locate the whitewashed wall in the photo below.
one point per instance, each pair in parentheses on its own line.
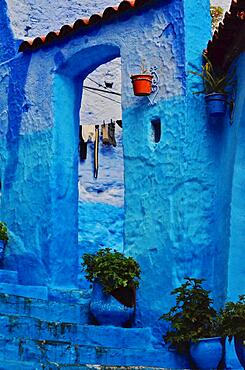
(34,18)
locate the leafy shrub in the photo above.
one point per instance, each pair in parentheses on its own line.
(112,269)
(232,318)
(3,232)
(192,317)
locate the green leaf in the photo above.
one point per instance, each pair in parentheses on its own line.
(112,268)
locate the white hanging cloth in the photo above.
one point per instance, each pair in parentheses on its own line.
(88,133)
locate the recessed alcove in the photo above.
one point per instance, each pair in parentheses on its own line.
(156,129)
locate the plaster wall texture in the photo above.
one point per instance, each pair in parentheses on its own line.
(102,109)
(236,252)
(30,18)
(175,190)
(172,189)
(164,182)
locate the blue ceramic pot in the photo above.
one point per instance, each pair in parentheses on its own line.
(240,350)
(107,310)
(207,353)
(2,247)
(216,104)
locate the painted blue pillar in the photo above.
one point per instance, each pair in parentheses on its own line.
(202,142)
(237,237)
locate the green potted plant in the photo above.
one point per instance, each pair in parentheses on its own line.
(3,238)
(232,323)
(142,83)
(216,85)
(194,324)
(115,278)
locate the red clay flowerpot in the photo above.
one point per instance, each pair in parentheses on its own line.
(142,84)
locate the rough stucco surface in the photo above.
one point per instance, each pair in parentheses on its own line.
(31,18)
(154,179)
(236,253)
(34,131)
(175,190)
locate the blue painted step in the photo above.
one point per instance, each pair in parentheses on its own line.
(40,292)
(7,276)
(45,310)
(65,352)
(109,336)
(97,367)
(19,365)
(68,295)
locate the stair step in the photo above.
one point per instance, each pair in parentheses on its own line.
(45,310)
(19,365)
(7,276)
(106,336)
(39,292)
(65,352)
(68,295)
(97,367)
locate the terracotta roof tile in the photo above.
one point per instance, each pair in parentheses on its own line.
(229,41)
(83,24)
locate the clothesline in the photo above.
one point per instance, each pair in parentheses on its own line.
(118,122)
(103,96)
(105,91)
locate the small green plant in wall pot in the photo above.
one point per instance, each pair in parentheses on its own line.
(232,323)
(142,83)
(193,325)
(115,278)
(3,238)
(216,88)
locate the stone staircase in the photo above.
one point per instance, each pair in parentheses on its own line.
(41,329)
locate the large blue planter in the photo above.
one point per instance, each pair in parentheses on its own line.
(107,310)
(240,350)
(216,104)
(2,247)
(207,353)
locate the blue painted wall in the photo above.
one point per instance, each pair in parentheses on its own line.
(180,193)
(236,251)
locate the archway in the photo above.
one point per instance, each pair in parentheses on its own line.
(101,190)
(68,87)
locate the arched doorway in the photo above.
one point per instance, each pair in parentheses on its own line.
(101,189)
(64,254)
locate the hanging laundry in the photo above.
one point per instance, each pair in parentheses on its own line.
(111,133)
(105,134)
(88,133)
(96,152)
(82,145)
